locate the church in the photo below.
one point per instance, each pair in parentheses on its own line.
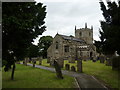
(72,48)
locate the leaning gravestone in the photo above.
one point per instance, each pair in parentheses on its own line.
(60,62)
(67,66)
(58,70)
(34,62)
(79,65)
(73,69)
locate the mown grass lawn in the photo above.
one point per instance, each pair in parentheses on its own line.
(100,71)
(29,77)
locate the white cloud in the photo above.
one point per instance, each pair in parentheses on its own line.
(63,15)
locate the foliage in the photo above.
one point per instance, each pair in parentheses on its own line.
(110,27)
(20,25)
(44,43)
(35,78)
(33,51)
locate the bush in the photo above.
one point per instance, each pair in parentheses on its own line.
(116,63)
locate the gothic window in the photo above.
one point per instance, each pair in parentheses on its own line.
(56,45)
(66,48)
(80,33)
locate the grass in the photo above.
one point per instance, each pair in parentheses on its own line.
(0,78)
(29,77)
(100,71)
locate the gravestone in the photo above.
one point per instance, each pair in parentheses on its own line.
(24,62)
(79,65)
(108,62)
(67,66)
(48,60)
(52,61)
(73,69)
(102,58)
(40,60)
(58,70)
(60,61)
(94,60)
(34,62)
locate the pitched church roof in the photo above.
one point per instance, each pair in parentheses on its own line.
(72,38)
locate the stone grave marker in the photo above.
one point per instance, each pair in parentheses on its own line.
(60,62)
(67,66)
(73,69)
(58,70)
(40,60)
(79,65)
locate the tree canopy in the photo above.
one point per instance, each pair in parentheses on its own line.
(21,23)
(110,28)
(33,51)
(44,43)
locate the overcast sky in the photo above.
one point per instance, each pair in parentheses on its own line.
(63,15)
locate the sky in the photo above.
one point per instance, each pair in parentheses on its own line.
(63,15)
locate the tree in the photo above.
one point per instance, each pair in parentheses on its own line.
(110,28)
(21,23)
(44,43)
(33,51)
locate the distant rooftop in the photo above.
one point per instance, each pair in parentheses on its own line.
(72,38)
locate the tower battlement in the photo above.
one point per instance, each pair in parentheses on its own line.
(85,34)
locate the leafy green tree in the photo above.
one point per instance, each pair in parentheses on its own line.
(110,28)
(33,51)
(21,23)
(44,43)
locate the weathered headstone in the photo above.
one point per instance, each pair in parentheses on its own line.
(67,66)
(79,65)
(34,62)
(60,62)
(102,58)
(48,60)
(73,69)
(40,60)
(94,60)
(23,62)
(58,70)
(108,62)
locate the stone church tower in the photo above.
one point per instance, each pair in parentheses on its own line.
(85,34)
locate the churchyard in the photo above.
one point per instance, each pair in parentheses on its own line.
(100,70)
(29,77)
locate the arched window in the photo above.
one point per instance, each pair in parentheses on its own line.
(66,48)
(56,45)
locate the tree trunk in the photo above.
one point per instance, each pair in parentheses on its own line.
(13,69)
